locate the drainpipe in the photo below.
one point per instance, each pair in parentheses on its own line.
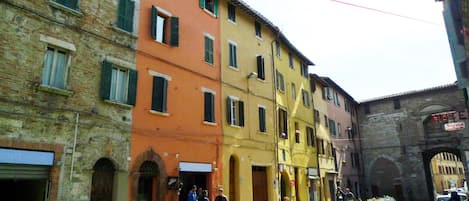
(274,88)
(74,146)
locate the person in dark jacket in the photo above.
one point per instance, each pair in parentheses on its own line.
(221,196)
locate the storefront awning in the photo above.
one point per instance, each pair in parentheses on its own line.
(195,167)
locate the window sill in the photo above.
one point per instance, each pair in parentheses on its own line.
(261,80)
(235,126)
(210,13)
(54,90)
(208,123)
(165,114)
(283,92)
(131,34)
(72,11)
(232,22)
(262,132)
(119,104)
(162,43)
(208,63)
(259,38)
(234,68)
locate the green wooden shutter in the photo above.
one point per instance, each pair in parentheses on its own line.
(154,16)
(207,106)
(106,75)
(215,7)
(73,4)
(132,89)
(241,113)
(228,110)
(130,16)
(262,119)
(235,60)
(174,31)
(260,68)
(207,50)
(159,94)
(202,4)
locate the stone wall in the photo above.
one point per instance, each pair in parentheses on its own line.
(398,136)
(32,116)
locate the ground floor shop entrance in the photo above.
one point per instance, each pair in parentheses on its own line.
(191,174)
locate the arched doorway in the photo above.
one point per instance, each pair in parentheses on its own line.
(102,182)
(386,179)
(427,158)
(148,184)
(148,171)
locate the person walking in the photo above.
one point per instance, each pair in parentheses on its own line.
(205,195)
(192,196)
(221,196)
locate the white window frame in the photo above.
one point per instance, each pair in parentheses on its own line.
(116,84)
(213,48)
(165,29)
(234,108)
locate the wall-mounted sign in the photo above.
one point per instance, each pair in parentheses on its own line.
(454,126)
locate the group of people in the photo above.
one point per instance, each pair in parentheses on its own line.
(346,195)
(202,195)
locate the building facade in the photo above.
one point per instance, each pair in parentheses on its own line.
(176,130)
(248,109)
(343,127)
(328,166)
(66,117)
(401,134)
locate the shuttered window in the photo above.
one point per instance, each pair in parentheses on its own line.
(118,84)
(210,6)
(262,126)
(260,67)
(208,49)
(164,28)
(231,12)
(73,4)
(125,15)
(235,112)
(209,107)
(159,95)
(257,28)
(233,62)
(282,123)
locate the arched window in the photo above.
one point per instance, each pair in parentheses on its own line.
(148,183)
(102,180)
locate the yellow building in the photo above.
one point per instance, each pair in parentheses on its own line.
(327,163)
(249,141)
(295,122)
(448,171)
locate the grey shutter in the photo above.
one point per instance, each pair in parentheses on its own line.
(106,75)
(228,110)
(154,16)
(174,31)
(132,88)
(241,113)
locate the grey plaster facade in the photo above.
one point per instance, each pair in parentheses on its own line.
(397,144)
(41,118)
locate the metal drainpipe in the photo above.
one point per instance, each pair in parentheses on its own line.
(317,152)
(74,146)
(274,81)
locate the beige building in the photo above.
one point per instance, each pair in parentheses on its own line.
(448,171)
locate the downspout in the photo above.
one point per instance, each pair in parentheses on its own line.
(274,88)
(74,146)
(317,152)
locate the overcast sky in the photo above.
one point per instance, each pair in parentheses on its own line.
(368,53)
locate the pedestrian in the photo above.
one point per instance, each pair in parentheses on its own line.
(454,196)
(340,194)
(221,196)
(205,195)
(286,198)
(192,196)
(200,194)
(349,195)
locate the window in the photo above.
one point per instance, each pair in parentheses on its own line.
(257,27)
(262,126)
(102,181)
(277,48)
(326,121)
(320,146)
(352,158)
(148,176)
(326,93)
(347,106)
(209,107)
(397,104)
(304,70)
(159,95)
(235,111)
(463,69)
(209,49)
(293,91)
(305,95)
(336,98)
(210,6)
(125,15)
(366,108)
(297,133)
(231,12)
(339,129)
(332,127)
(55,69)
(280,82)
(282,123)
(350,132)
(260,67)
(164,27)
(317,118)
(290,60)
(118,84)
(232,51)
(310,136)
(73,4)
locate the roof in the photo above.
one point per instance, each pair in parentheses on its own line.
(259,17)
(334,85)
(407,93)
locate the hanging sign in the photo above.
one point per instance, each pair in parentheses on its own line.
(454,126)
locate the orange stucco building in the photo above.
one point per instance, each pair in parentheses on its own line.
(176,132)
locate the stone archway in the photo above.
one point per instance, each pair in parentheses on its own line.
(427,158)
(386,178)
(135,173)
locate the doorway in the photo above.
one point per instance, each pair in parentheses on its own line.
(259,183)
